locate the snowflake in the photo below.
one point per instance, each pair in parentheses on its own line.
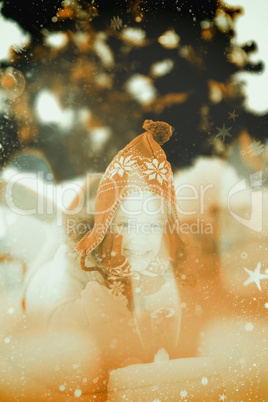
(223,132)
(183,393)
(255,148)
(122,166)
(222,397)
(156,170)
(249,326)
(116,23)
(233,115)
(244,255)
(255,276)
(157,400)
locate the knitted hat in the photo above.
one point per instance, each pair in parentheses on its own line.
(140,166)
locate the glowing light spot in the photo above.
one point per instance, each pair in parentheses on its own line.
(77,393)
(103,50)
(169,39)
(50,111)
(99,136)
(12,34)
(162,67)
(61,388)
(141,88)
(204,381)
(56,39)
(134,34)
(249,326)
(12,82)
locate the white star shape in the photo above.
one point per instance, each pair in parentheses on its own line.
(222,397)
(223,132)
(255,276)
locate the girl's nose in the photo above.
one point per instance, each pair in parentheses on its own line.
(135,235)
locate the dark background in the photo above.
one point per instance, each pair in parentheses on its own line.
(197,96)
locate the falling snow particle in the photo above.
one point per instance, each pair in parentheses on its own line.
(204,381)
(155,388)
(77,393)
(266,305)
(7,340)
(183,394)
(61,388)
(249,326)
(244,255)
(11,310)
(222,397)
(75,366)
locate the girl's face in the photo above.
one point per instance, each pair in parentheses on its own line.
(140,219)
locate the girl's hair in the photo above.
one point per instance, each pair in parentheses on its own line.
(80,219)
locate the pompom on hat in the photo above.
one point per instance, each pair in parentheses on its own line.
(140,166)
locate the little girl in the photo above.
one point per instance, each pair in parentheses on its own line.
(125,294)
